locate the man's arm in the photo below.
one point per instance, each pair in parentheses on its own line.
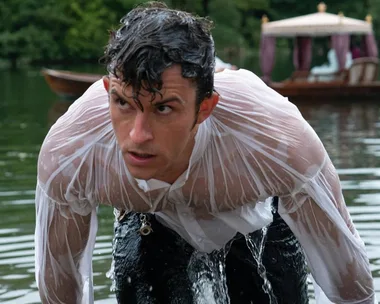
(61,240)
(275,152)
(316,212)
(336,256)
(66,221)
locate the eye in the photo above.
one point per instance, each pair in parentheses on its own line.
(122,104)
(164,109)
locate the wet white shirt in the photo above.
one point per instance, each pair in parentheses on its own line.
(256,145)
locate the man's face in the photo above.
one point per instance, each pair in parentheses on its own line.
(157,141)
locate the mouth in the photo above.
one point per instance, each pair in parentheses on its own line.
(141,155)
(140,158)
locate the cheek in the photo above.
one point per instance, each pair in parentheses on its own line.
(113,114)
(114,119)
(119,125)
(175,140)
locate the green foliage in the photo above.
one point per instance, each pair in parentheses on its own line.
(30,28)
(194,7)
(246,5)
(87,34)
(227,24)
(76,30)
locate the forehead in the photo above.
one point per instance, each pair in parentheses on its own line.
(172,79)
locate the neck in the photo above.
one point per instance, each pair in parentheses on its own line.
(180,166)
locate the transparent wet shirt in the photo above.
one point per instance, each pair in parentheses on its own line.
(256,145)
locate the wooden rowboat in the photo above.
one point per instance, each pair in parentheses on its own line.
(69,85)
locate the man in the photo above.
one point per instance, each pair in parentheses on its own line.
(327,71)
(191,167)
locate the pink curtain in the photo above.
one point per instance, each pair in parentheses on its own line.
(302,53)
(341,45)
(369,46)
(267,52)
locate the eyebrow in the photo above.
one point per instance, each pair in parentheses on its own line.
(114,92)
(169,99)
(158,103)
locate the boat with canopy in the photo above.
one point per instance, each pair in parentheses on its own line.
(357,81)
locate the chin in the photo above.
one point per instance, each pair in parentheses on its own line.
(141,173)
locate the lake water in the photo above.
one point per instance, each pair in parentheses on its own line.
(350,132)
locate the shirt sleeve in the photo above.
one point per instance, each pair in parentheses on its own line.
(66,221)
(336,256)
(64,243)
(279,154)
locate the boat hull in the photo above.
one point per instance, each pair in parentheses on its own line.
(69,85)
(332,92)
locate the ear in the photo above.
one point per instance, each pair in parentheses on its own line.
(207,106)
(106,83)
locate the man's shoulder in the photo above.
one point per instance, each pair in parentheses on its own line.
(69,148)
(246,97)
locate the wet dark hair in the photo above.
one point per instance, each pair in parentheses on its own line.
(151,39)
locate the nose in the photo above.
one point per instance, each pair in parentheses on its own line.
(141,131)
